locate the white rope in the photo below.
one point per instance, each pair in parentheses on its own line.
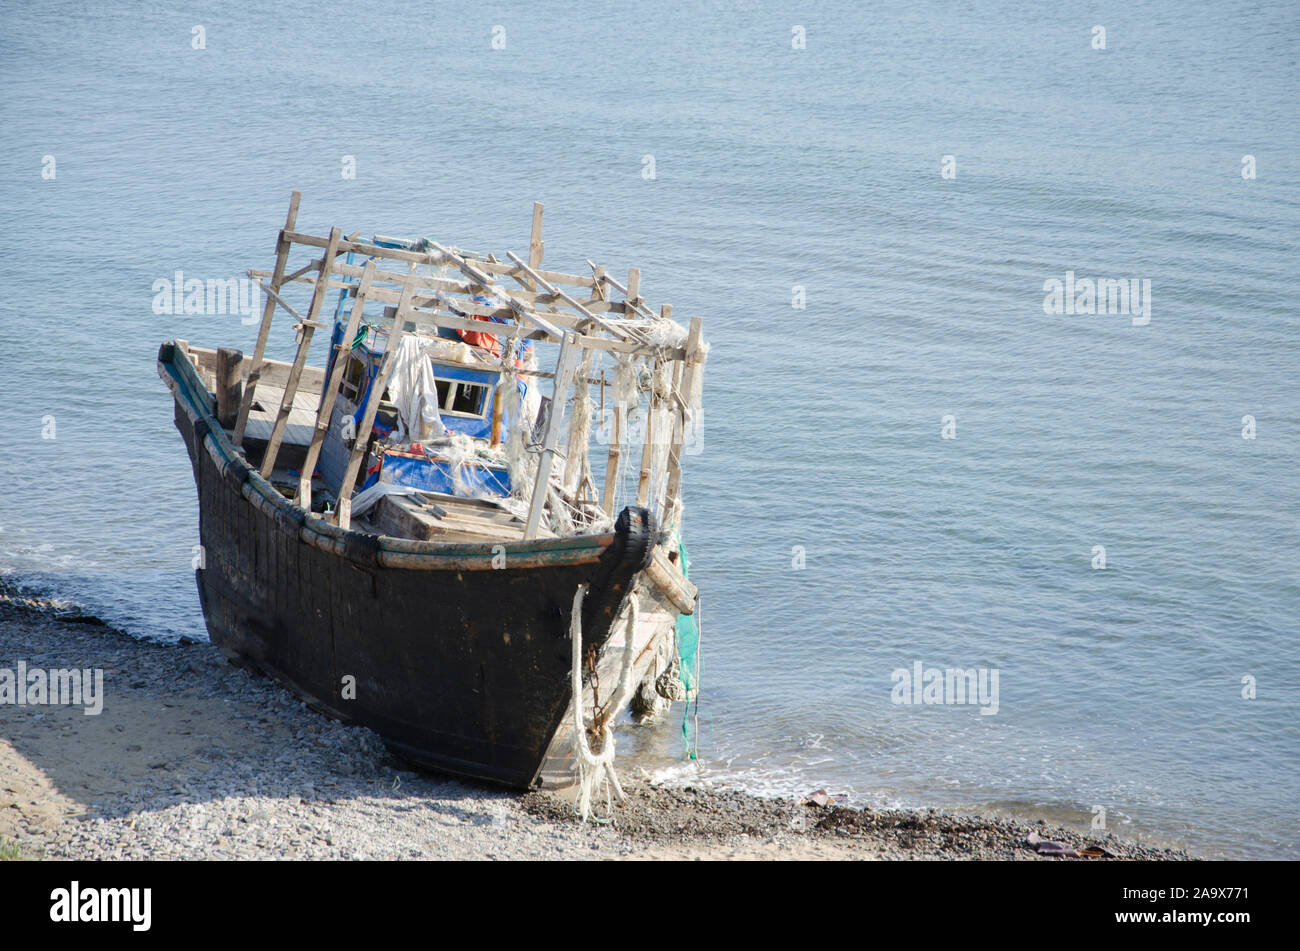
(597,769)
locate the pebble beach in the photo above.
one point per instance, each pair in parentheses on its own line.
(193,758)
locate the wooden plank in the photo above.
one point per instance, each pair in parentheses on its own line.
(331,391)
(358,454)
(569,350)
(300,359)
(282,246)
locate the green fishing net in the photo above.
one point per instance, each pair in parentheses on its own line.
(688,647)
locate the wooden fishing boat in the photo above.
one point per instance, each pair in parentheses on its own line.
(410,535)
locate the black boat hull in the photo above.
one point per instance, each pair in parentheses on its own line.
(460,666)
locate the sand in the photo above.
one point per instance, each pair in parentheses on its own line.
(193,758)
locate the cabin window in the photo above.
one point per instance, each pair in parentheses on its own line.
(350,387)
(461,398)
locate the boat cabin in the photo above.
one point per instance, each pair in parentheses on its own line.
(428,418)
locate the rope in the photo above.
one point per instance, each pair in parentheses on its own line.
(597,769)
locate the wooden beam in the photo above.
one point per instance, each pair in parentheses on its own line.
(554,324)
(373,398)
(595,318)
(691,372)
(653,411)
(330,394)
(229,386)
(518,307)
(633,302)
(311,266)
(535,244)
(632,293)
(576,453)
(466,288)
(422,257)
(309,326)
(615,458)
(277,298)
(569,350)
(282,245)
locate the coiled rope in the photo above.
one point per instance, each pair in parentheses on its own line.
(597,769)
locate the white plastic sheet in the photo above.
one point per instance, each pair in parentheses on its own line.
(414,390)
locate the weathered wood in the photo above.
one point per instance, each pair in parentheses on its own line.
(591,315)
(422,257)
(552,322)
(276,298)
(653,411)
(373,398)
(330,394)
(450,285)
(498,401)
(691,372)
(520,309)
(615,459)
(230,386)
(311,266)
(309,325)
(632,294)
(576,453)
(569,350)
(535,244)
(282,245)
(633,303)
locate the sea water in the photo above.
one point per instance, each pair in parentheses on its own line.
(915,453)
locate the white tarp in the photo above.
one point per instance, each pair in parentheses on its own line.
(414,391)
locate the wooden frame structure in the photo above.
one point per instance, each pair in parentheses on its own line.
(577,312)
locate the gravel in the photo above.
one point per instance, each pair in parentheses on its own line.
(193,758)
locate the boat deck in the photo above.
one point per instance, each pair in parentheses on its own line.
(427,517)
(302,417)
(449,518)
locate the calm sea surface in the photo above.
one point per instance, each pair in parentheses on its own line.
(836,534)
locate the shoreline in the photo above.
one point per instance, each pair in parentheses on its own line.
(194,758)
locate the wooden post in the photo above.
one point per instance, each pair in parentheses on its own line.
(330,395)
(300,359)
(620,411)
(647,447)
(230,386)
(691,370)
(496,410)
(569,350)
(282,246)
(535,244)
(576,454)
(373,399)
(652,425)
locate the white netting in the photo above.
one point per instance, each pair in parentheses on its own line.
(596,767)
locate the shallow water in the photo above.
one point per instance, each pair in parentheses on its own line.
(774,167)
